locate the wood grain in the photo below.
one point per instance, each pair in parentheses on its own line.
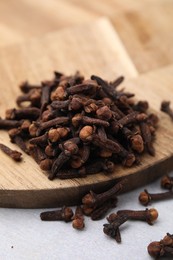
(25,185)
(23,19)
(147,35)
(143,26)
(110,7)
(94,45)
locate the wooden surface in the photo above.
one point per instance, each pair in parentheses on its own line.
(144,27)
(110,7)
(23,19)
(25,185)
(147,35)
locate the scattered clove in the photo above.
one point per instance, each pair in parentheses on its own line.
(92,199)
(78,219)
(64,214)
(165,107)
(99,212)
(15,155)
(162,248)
(112,229)
(145,197)
(148,215)
(116,220)
(167,182)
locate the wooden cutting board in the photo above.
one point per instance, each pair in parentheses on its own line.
(92,49)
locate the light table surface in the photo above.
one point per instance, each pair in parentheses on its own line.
(25,236)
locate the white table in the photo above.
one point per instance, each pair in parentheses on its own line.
(25,236)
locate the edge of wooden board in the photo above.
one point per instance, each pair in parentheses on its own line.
(48,198)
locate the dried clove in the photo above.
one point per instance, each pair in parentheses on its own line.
(97,167)
(69,149)
(147,137)
(64,214)
(99,212)
(148,215)
(167,182)
(63,104)
(145,197)
(112,229)
(115,220)
(45,94)
(15,136)
(78,219)
(104,113)
(162,248)
(51,123)
(25,126)
(94,121)
(15,155)
(92,199)
(24,113)
(26,87)
(141,106)
(70,174)
(39,140)
(46,164)
(165,107)
(9,124)
(128,119)
(108,144)
(86,133)
(33,97)
(88,86)
(107,88)
(117,82)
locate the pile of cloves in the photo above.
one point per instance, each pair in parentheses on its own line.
(73,127)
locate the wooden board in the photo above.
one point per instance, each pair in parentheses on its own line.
(110,7)
(23,19)
(144,27)
(25,185)
(147,34)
